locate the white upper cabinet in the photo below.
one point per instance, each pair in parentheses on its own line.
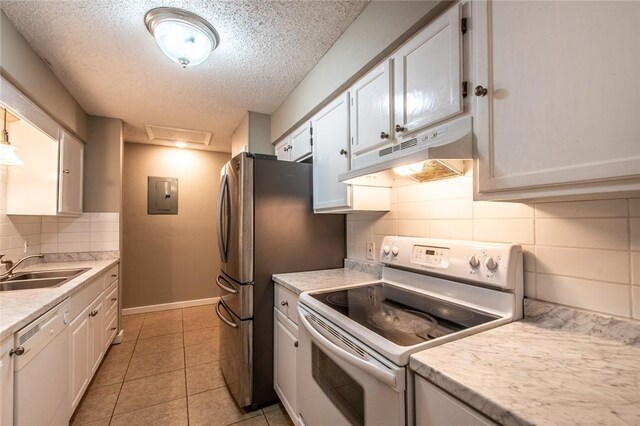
(560,114)
(297,145)
(371,113)
(71,171)
(428,75)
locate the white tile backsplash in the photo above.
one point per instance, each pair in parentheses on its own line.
(50,234)
(579,253)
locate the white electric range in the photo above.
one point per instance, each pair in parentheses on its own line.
(355,342)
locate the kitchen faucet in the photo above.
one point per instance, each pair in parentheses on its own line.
(10,266)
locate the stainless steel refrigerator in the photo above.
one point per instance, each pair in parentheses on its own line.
(266,225)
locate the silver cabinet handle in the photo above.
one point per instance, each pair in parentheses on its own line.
(343,152)
(480,91)
(226,321)
(65,171)
(384,135)
(284,303)
(17,351)
(224,287)
(399,128)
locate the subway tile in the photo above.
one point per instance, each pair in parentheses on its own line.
(26,219)
(635,233)
(362,232)
(501,210)
(104,245)
(73,247)
(49,219)
(104,236)
(529,255)
(417,210)
(452,229)
(582,209)
(593,295)
(105,217)
(635,302)
(599,265)
(414,228)
(105,227)
(50,227)
(635,268)
(74,237)
(458,208)
(634,207)
(412,193)
(587,233)
(385,227)
(530,284)
(49,248)
(504,230)
(74,227)
(461,187)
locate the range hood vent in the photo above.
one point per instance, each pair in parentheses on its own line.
(452,140)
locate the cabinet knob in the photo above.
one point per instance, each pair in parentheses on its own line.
(17,351)
(113,329)
(480,91)
(93,313)
(65,171)
(114,275)
(343,152)
(295,343)
(384,135)
(284,303)
(113,299)
(399,128)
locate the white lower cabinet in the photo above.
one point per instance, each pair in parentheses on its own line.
(285,347)
(6,381)
(435,407)
(79,356)
(96,328)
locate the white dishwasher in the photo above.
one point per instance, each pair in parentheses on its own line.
(41,380)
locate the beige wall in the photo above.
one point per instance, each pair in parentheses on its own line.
(582,253)
(253,134)
(28,72)
(381,27)
(170,258)
(102,160)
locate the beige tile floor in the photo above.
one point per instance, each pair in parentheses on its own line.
(167,372)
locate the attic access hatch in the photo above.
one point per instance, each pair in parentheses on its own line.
(442,147)
(173,134)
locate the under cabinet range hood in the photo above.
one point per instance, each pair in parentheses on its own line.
(443,147)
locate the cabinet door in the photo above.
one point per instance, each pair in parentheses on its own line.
(285,358)
(70,178)
(562,101)
(371,113)
(300,144)
(330,154)
(79,357)
(6,381)
(428,75)
(283,150)
(96,331)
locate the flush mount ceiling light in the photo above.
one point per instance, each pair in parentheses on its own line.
(183,36)
(8,154)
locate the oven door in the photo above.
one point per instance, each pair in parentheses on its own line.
(340,381)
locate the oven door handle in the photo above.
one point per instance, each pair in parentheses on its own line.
(384,376)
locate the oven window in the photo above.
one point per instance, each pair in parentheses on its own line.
(346,394)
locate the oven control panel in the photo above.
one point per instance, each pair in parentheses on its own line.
(438,257)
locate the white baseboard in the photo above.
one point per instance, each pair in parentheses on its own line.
(167,306)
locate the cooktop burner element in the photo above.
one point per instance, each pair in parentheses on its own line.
(388,318)
(346,299)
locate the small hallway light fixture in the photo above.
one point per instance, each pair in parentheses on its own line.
(183,37)
(8,154)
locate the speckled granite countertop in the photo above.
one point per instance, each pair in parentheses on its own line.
(353,273)
(19,308)
(558,366)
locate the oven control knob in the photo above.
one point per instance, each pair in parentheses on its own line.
(395,250)
(386,249)
(491,264)
(474,262)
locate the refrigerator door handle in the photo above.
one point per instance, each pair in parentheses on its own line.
(222,198)
(224,287)
(222,318)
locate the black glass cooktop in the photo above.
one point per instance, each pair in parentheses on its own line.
(404,317)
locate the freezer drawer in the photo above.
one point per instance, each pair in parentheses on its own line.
(237,297)
(236,354)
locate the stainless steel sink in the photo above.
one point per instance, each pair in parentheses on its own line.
(39,279)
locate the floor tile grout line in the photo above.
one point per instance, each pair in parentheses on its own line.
(148,406)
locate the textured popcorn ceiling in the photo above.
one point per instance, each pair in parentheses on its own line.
(103,53)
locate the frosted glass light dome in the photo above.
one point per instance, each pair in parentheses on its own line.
(183,37)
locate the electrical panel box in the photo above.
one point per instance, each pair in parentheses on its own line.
(162,195)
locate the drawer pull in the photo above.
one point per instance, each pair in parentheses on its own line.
(113,299)
(93,313)
(284,303)
(114,275)
(114,329)
(295,344)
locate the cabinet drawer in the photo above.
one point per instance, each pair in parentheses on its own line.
(111,296)
(110,328)
(85,296)
(286,302)
(111,275)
